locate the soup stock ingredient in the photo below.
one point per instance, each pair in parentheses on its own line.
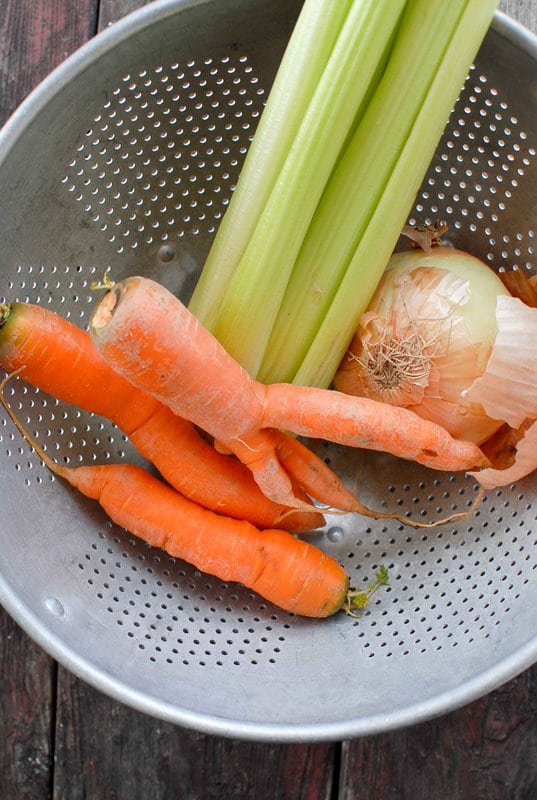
(287,571)
(150,337)
(425,337)
(444,337)
(59,358)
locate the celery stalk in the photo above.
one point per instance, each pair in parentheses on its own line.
(356,186)
(381,234)
(256,288)
(302,65)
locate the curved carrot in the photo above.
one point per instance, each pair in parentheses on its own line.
(287,571)
(59,358)
(369,424)
(151,338)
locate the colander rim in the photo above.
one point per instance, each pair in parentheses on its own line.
(506,669)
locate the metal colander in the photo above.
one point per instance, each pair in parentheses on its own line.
(125,158)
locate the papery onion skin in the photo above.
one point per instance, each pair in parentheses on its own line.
(508,387)
(425,338)
(513,453)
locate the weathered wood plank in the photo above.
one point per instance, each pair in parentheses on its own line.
(34,38)
(106,750)
(27,680)
(485,751)
(112,10)
(525,11)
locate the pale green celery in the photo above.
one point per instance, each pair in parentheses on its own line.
(374,82)
(354,189)
(299,73)
(255,291)
(380,237)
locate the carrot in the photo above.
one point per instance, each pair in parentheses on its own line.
(152,339)
(59,358)
(287,571)
(368,424)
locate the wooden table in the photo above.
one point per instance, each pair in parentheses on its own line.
(62,739)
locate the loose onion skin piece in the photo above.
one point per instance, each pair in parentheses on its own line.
(512,450)
(508,387)
(513,455)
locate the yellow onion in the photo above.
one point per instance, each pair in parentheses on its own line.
(426,337)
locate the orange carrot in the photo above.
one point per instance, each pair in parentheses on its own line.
(285,570)
(152,339)
(368,424)
(59,358)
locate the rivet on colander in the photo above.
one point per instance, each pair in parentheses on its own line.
(54,606)
(166,253)
(335,534)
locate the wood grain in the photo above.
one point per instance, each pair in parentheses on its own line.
(27,681)
(485,751)
(112,10)
(34,38)
(115,752)
(525,11)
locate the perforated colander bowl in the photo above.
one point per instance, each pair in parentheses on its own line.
(125,158)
